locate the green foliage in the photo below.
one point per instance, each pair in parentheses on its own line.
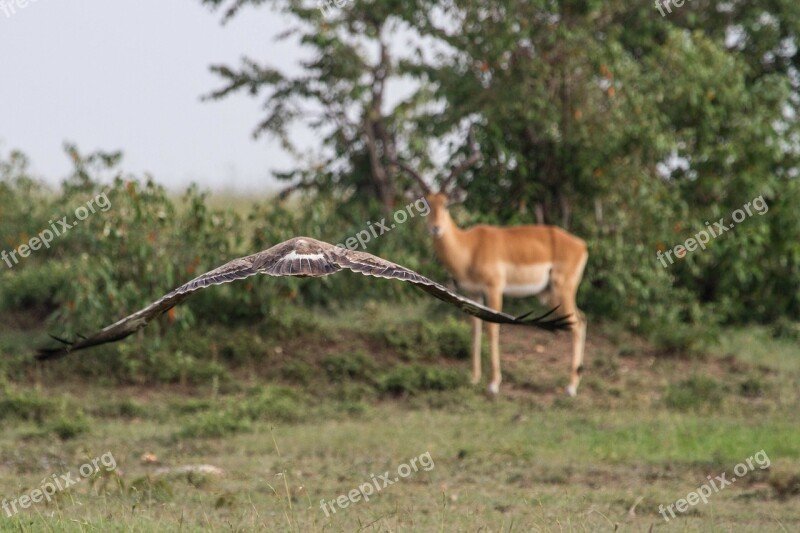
(214,424)
(753,387)
(67,426)
(125,408)
(298,372)
(694,393)
(51,417)
(784,328)
(630,129)
(426,339)
(267,403)
(28,406)
(147,490)
(190,406)
(358,366)
(272,404)
(410,379)
(453,338)
(179,367)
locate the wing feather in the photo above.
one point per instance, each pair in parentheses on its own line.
(301,256)
(370,265)
(234,270)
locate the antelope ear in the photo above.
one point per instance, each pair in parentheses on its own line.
(457,196)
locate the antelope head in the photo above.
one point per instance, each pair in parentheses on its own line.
(439,220)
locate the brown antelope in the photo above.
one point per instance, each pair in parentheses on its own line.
(514,261)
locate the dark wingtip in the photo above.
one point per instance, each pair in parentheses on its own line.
(558,323)
(45,354)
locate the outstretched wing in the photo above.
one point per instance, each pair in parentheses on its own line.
(301,256)
(237,269)
(371,265)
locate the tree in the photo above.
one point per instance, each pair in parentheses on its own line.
(342,93)
(629,128)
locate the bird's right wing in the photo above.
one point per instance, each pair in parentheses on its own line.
(370,265)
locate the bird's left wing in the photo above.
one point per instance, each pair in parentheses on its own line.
(237,269)
(371,265)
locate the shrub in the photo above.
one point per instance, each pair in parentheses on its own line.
(298,372)
(409,379)
(357,365)
(125,408)
(752,387)
(271,403)
(267,403)
(783,328)
(694,393)
(453,338)
(214,424)
(67,426)
(29,406)
(450,338)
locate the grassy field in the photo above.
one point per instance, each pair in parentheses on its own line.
(362,393)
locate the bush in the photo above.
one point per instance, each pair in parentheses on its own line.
(453,338)
(28,407)
(694,393)
(346,367)
(263,403)
(298,372)
(125,408)
(67,426)
(428,339)
(410,379)
(273,404)
(783,328)
(752,387)
(214,424)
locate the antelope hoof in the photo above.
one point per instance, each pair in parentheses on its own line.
(572,390)
(475,380)
(494,389)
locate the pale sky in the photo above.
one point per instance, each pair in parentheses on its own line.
(129,75)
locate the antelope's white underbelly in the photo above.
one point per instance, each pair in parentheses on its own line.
(525,289)
(526,280)
(520,280)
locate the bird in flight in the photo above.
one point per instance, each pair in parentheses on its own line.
(304,257)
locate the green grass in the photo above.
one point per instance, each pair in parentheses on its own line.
(315,423)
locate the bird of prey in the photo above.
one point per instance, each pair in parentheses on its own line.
(305,257)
